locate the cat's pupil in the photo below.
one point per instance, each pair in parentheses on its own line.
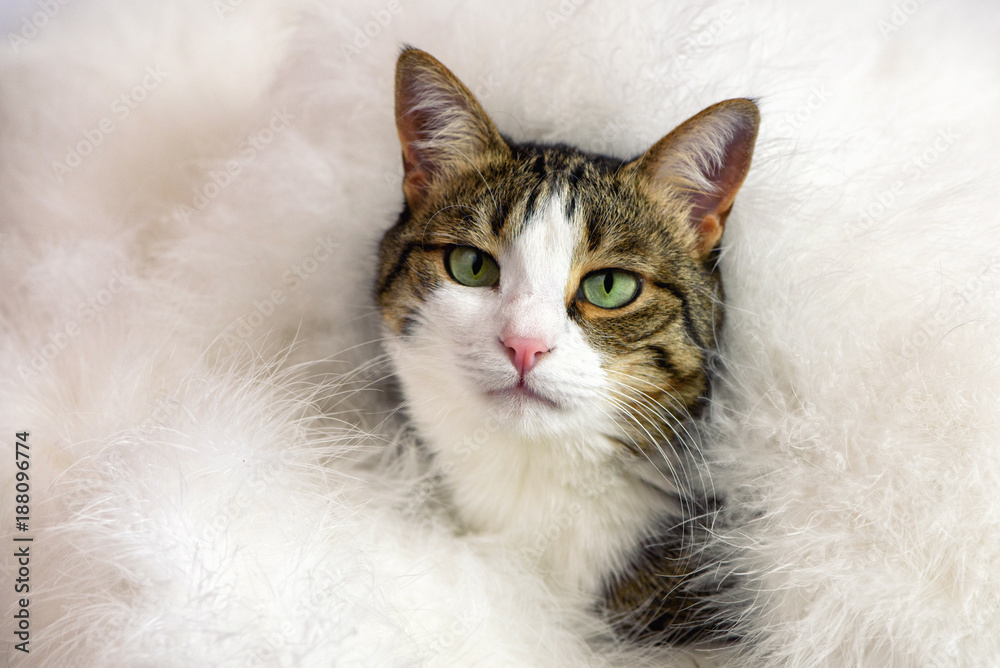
(609,281)
(477,264)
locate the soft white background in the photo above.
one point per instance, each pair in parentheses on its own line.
(195,494)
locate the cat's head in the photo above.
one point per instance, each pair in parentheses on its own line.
(545,291)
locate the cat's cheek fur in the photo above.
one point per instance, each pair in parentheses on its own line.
(453,365)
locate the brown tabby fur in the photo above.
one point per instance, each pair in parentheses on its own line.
(479,189)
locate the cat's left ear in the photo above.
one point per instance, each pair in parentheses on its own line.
(704,160)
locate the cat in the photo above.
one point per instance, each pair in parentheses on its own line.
(551,314)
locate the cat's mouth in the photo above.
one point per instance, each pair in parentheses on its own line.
(521,392)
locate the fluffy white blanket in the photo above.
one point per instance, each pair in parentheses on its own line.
(191,195)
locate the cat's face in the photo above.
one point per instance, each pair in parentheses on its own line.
(585,307)
(548,292)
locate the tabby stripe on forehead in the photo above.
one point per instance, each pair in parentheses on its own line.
(685,310)
(529,206)
(538,166)
(500,215)
(595,237)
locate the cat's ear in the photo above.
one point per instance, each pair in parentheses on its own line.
(441,125)
(704,160)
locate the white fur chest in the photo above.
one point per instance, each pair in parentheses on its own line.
(573,510)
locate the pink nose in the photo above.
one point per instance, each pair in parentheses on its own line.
(524,352)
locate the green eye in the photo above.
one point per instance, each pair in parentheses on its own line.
(472,267)
(610,288)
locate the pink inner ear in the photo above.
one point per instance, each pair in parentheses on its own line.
(727,176)
(413,125)
(705,160)
(439,122)
(415,176)
(710,209)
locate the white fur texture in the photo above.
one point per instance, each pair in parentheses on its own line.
(198,499)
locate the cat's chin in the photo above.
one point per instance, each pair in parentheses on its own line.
(527,412)
(522,396)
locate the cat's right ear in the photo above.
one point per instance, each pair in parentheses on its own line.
(441,126)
